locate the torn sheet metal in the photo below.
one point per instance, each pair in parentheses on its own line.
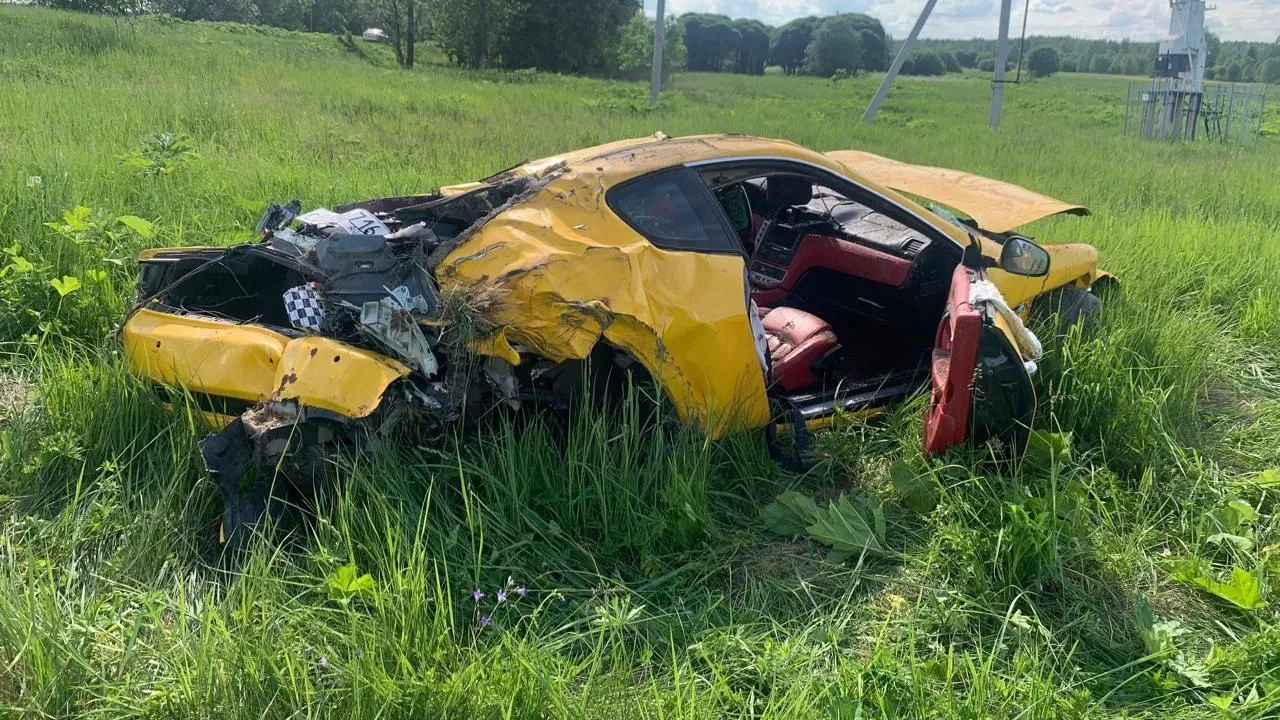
(393,326)
(1028,344)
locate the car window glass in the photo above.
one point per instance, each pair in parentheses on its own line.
(674,211)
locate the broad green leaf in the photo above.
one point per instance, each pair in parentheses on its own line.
(1222,702)
(1238,541)
(1046,448)
(96,275)
(790,514)
(1269,478)
(344,580)
(1230,519)
(77,218)
(1248,515)
(20,264)
(851,527)
(138,225)
(920,492)
(1243,589)
(65,285)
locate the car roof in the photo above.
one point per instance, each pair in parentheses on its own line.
(622,160)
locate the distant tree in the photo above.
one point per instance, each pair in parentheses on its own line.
(535,33)
(752,52)
(1117,66)
(789,42)
(1213,48)
(875,46)
(710,41)
(1043,62)
(909,66)
(967,58)
(1070,65)
(1234,73)
(927,63)
(1101,64)
(987,64)
(1270,71)
(949,61)
(836,45)
(469,31)
(632,56)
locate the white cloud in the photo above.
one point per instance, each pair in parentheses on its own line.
(1257,20)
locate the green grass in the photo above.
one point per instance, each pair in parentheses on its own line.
(653,591)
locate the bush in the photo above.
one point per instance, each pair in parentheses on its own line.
(967,58)
(836,44)
(1070,65)
(1044,62)
(1270,71)
(927,63)
(987,64)
(950,62)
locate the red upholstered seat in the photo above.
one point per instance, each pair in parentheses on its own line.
(797,340)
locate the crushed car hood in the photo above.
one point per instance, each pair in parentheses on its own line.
(997,206)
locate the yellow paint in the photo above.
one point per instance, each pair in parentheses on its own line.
(576,275)
(997,206)
(254,363)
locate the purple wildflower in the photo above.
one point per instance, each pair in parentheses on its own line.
(521,591)
(502,596)
(477,594)
(486,621)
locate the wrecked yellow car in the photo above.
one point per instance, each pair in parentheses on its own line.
(754,281)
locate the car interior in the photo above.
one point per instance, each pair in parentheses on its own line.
(850,294)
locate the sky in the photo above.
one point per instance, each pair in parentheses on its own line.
(1257,20)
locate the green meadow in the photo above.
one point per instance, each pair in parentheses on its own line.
(1128,566)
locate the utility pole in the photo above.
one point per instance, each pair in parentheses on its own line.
(655,80)
(1002,59)
(902,56)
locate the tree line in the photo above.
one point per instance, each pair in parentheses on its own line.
(847,42)
(1233,61)
(615,38)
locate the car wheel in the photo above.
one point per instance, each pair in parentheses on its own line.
(1068,306)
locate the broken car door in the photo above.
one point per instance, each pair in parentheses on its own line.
(981,388)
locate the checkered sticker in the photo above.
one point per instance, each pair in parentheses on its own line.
(302,304)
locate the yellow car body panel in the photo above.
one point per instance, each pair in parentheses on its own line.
(997,206)
(574,275)
(252,363)
(577,274)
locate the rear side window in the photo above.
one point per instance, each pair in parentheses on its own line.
(674,210)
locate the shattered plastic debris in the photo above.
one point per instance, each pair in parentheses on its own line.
(303,306)
(390,324)
(352,222)
(278,217)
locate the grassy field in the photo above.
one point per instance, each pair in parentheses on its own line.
(1135,574)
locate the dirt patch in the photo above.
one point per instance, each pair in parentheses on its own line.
(15,396)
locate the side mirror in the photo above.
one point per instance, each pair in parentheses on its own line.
(1023,257)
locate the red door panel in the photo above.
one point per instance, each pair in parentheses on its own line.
(955,358)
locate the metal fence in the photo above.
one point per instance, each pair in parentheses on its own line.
(1162,109)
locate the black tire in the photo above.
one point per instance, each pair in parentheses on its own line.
(1065,307)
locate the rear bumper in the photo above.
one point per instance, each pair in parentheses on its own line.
(250,363)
